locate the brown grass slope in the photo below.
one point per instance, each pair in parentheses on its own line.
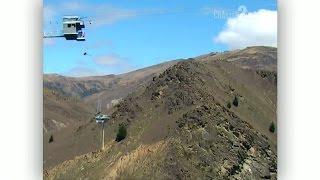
(61,111)
(109,87)
(62,117)
(123,84)
(69,106)
(179,127)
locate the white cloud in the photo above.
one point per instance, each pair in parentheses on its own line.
(81,71)
(73,6)
(251,29)
(107,14)
(114,63)
(99,14)
(106,64)
(109,60)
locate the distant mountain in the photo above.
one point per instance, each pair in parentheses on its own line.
(202,118)
(86,90)
(261,59)
(255,58)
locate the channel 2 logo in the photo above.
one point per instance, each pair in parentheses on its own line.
(242,9)
(227,13)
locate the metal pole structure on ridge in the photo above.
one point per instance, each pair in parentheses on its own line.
(102,136)
(101,119)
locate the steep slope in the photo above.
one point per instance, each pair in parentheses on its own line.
(255,57)
(180,127)
(108,88)
(261,59)
(69,106)
(63,115)
(123,84)
(62,111)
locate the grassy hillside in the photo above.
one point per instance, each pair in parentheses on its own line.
(204,118)
(69,107)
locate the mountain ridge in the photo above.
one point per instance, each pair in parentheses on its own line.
(180,126)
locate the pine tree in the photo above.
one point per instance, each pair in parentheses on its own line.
(235,101)
(51,139)
(272,127)
(122,133)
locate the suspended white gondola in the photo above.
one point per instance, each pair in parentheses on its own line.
(102,118)
(72,29)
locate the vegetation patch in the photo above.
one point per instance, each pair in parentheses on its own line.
(272,127)
(51,139)
(235,101)
(122,133)
(229,105)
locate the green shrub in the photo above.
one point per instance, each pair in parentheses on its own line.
(229,105)
(272,127)
(122,133)
(235,101)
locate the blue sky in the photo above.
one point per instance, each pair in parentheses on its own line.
(127,35)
